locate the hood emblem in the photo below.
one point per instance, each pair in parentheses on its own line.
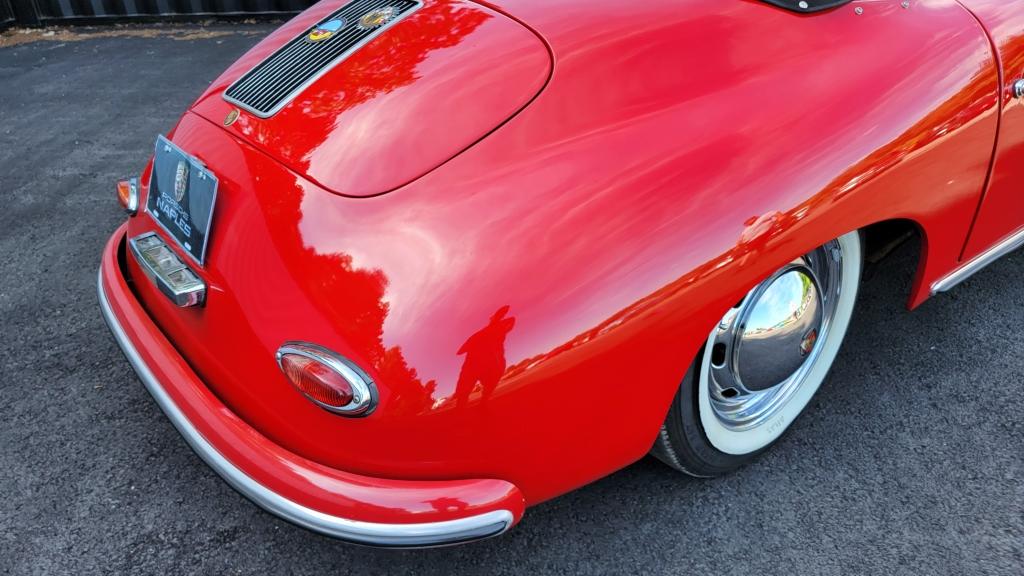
(378,17)
(325,30)
(231,117)
(180,181)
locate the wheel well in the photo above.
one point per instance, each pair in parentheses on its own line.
(885,239)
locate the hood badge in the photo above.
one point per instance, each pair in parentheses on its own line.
(325,30)
(231,117)
(378,17)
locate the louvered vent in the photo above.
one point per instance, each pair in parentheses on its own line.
(277,80)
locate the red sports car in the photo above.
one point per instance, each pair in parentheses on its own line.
(410,266)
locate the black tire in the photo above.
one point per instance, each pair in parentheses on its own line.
(682,443)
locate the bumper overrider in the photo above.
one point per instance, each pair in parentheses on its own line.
(351,507)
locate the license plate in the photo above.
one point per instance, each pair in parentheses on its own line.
(182,193)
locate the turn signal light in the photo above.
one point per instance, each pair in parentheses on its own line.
(128,195)
(317,381)
(328,380)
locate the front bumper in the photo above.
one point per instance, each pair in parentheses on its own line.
(355,508)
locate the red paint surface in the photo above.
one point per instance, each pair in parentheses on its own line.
(1002,212)
(429,87)
(328,490)
(584,249)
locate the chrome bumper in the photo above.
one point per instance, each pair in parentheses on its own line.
(369,533)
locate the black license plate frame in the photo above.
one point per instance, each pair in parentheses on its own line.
(182,196)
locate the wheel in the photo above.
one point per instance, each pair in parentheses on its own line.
(763,362)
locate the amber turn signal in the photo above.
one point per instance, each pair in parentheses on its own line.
(128,195)
(326,379)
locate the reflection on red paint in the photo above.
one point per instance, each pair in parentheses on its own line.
(354,298)
(445,504)
(485,358)
(402,104)
(618,216)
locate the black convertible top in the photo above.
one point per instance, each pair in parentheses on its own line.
(807,5)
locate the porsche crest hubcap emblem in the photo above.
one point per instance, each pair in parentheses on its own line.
(180,181)
(378,17)
(807,344)
(325,30)
(231,117)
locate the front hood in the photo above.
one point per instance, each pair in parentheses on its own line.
(420,90)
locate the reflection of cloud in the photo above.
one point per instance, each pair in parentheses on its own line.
(421,263)
(784,301)
(352,298)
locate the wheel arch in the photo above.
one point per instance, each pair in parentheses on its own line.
(880,239)
(883,238)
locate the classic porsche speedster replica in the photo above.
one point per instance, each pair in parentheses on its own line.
(411,266)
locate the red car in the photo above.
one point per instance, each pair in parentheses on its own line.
(410,266)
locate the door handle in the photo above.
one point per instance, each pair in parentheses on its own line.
(1018,89)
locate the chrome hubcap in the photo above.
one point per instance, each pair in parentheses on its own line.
(765,346)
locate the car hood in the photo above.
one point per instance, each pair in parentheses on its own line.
(423,89)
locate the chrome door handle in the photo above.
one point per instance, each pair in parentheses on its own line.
(1018,89)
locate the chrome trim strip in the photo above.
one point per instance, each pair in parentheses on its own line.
(970,268)
(375,534)
(133,198)
(319,74)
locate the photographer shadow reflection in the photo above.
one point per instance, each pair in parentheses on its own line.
(485,358)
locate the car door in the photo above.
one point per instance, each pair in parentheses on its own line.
(1001,215)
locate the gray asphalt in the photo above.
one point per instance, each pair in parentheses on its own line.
(909,461)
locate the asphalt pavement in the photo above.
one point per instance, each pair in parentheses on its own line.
(910,460)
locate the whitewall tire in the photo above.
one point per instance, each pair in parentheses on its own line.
(763,362)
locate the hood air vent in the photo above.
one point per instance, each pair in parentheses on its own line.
(277,80)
